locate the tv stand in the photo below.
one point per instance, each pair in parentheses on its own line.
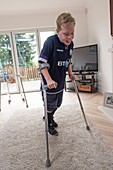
(86,81)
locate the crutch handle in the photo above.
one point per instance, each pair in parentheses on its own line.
(46,86)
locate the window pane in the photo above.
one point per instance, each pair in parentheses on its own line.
(7,71)
(44,36)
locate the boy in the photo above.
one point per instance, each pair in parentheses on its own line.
(54,61)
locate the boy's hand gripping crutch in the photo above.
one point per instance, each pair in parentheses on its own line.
(76,89)
(44,87)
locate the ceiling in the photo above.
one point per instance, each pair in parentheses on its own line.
(40,6)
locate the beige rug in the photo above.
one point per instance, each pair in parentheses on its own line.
(23,147)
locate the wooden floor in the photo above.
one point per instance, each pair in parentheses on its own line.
(90,102)
(100,120)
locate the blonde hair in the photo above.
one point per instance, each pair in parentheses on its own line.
(64,18)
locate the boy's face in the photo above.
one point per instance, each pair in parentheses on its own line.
(66,33)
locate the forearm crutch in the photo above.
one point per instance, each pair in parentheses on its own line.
(44,87)
(76,89)
(9,100)
(23,99)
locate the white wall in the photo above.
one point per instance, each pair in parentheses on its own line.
(36,20)
(99,31)
(93,27)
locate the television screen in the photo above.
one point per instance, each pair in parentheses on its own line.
(85,58)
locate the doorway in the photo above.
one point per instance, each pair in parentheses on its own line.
(19,52)
(7,65)
(26,55)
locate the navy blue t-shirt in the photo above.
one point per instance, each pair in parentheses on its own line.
(57,55)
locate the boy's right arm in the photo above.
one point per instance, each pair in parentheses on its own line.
(50,83)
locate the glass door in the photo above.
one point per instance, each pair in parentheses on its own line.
(27,59)
(19,53)
(7,67)
(44,33)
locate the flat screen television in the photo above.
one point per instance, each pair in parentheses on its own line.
(85,58)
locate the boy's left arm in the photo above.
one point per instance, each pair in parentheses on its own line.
(70,73)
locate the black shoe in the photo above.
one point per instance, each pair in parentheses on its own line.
(52,130)
(54,123)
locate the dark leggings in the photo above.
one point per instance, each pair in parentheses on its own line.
(54,101)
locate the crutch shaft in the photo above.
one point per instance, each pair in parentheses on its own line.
(81,107)
(23,92)
(44,87)
(76,89)
(24,99)
(48,164)
(8,92)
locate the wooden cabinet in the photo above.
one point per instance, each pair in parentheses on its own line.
(86,82)
(111,16)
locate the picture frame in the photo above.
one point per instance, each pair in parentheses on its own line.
(108,100)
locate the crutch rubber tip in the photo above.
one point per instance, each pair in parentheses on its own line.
(9,101)
(23,99)
(87,127)
(48,163)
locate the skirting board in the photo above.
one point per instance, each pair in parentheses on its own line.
(107,111)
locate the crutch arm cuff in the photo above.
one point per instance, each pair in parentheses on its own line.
(43,65)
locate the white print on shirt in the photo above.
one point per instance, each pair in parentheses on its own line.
(60,50)
(63,63)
